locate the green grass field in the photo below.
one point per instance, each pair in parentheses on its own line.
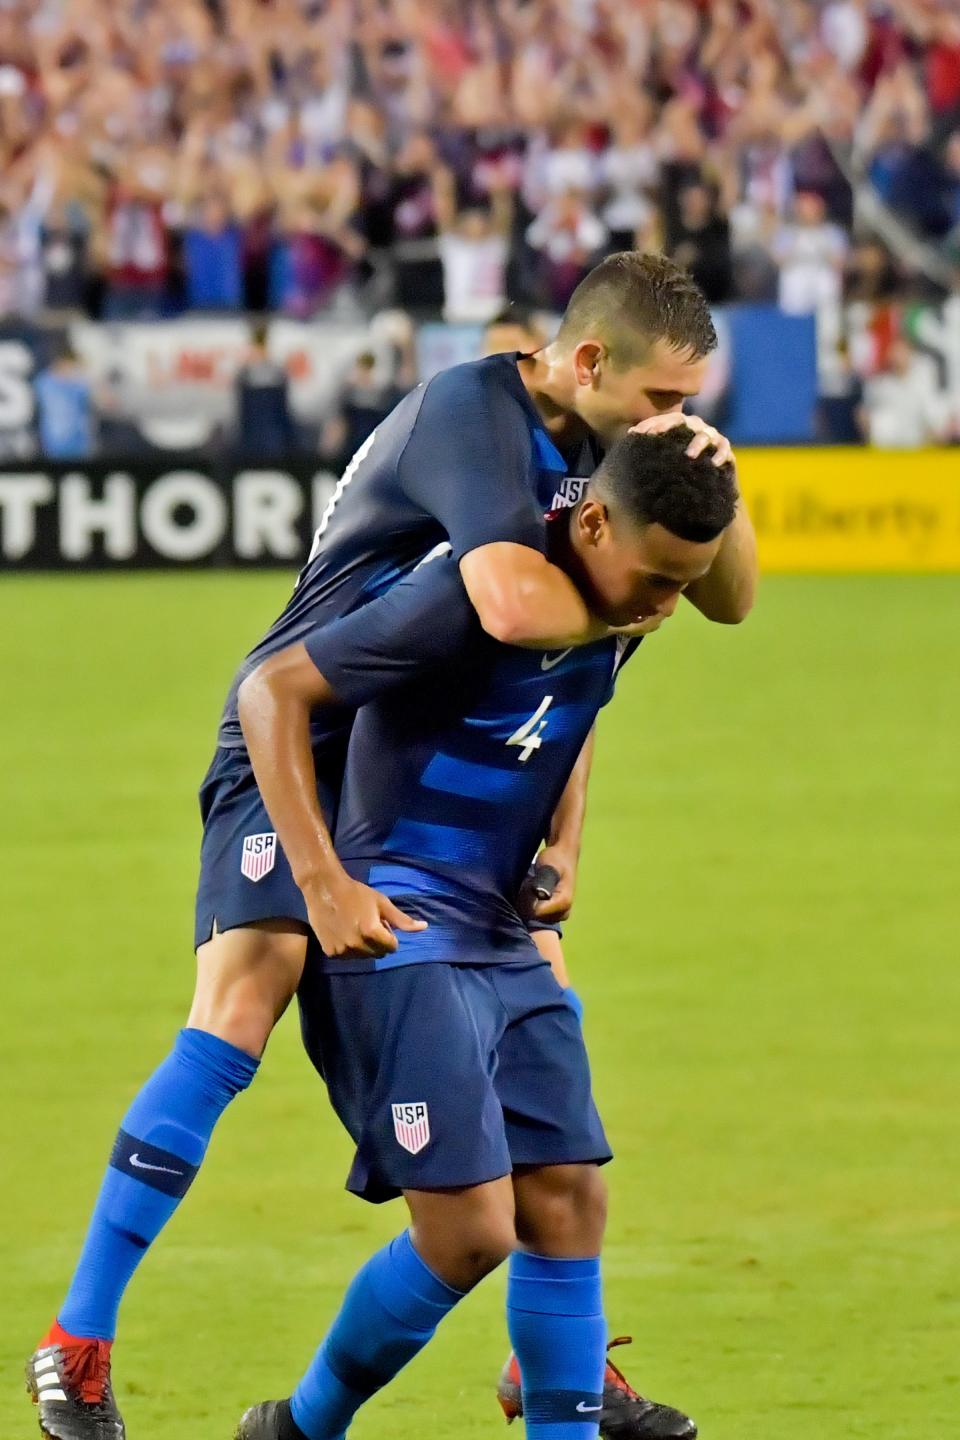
(766,940)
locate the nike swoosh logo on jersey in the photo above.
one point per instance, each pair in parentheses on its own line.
(547,664)
(583,1409)
(139,1164)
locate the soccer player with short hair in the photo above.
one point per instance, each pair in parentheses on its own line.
(455,1062)
(472,459)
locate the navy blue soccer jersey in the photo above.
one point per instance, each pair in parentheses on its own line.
(457,758)
(465,459)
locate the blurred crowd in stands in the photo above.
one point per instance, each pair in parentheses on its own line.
(336,156)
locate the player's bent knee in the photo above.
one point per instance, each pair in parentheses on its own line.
(475,1256)
(246,978)
(487,1245)
(463,1236)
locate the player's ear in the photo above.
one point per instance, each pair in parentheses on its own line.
(587,362)
(592,520)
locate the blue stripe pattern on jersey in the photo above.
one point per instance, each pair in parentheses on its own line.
(404,880)
(453,776)
(450,844)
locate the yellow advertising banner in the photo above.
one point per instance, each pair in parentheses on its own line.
(838,510)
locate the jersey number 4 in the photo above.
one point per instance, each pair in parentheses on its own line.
(529,733)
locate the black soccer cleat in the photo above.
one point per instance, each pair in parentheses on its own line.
(270,1421)
(625,1414)
(68,1379)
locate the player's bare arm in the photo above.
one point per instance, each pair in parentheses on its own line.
(521,599)
(562,849)
(275,703)
(726,593)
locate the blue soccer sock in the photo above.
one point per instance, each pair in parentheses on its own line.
(390,1311)
(555,1318)
(156,1155)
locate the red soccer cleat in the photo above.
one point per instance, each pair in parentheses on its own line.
(625,1414)
(68,1379)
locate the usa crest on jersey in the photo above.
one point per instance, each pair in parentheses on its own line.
(259,855)
(411,1125)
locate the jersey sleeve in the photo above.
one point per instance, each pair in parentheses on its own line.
(419,623)
(468,463)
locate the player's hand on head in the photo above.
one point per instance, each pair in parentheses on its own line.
(704,435)
(353,921)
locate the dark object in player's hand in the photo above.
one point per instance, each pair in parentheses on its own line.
(538,885)
(544,880)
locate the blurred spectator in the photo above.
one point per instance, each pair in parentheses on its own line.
(629,170)
(413,218)
(870,272)
(845,26)
(64,240)
(138,239)
(569,237)
(701,242)
(515,328)
(367,397)
(903,408)
(810,252)
(941,64)
(9,289)
(213,258)
(840,417)
(264,423)
(65,412)
(951,166)
(323,127)
(564,162)
(314,258)
(895,134)
(474,245)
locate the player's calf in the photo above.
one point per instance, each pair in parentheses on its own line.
(389,1313)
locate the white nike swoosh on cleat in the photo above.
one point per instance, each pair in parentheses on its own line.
(583,1409)
(139,1164)
(547,664)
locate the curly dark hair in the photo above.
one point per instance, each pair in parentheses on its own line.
(652,479)
(631,300)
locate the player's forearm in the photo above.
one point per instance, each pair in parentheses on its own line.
(521,599)
(726,593)
(275,719)
(566,826)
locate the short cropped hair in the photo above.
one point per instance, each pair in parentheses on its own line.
(631,300)
(652,479)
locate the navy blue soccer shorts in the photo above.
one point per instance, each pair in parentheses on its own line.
(448,1076)
(244,874)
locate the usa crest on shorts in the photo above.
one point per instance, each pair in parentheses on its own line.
(411,1125)
(259,855)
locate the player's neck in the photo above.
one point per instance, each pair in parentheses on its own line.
(545,381)
(561,550)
